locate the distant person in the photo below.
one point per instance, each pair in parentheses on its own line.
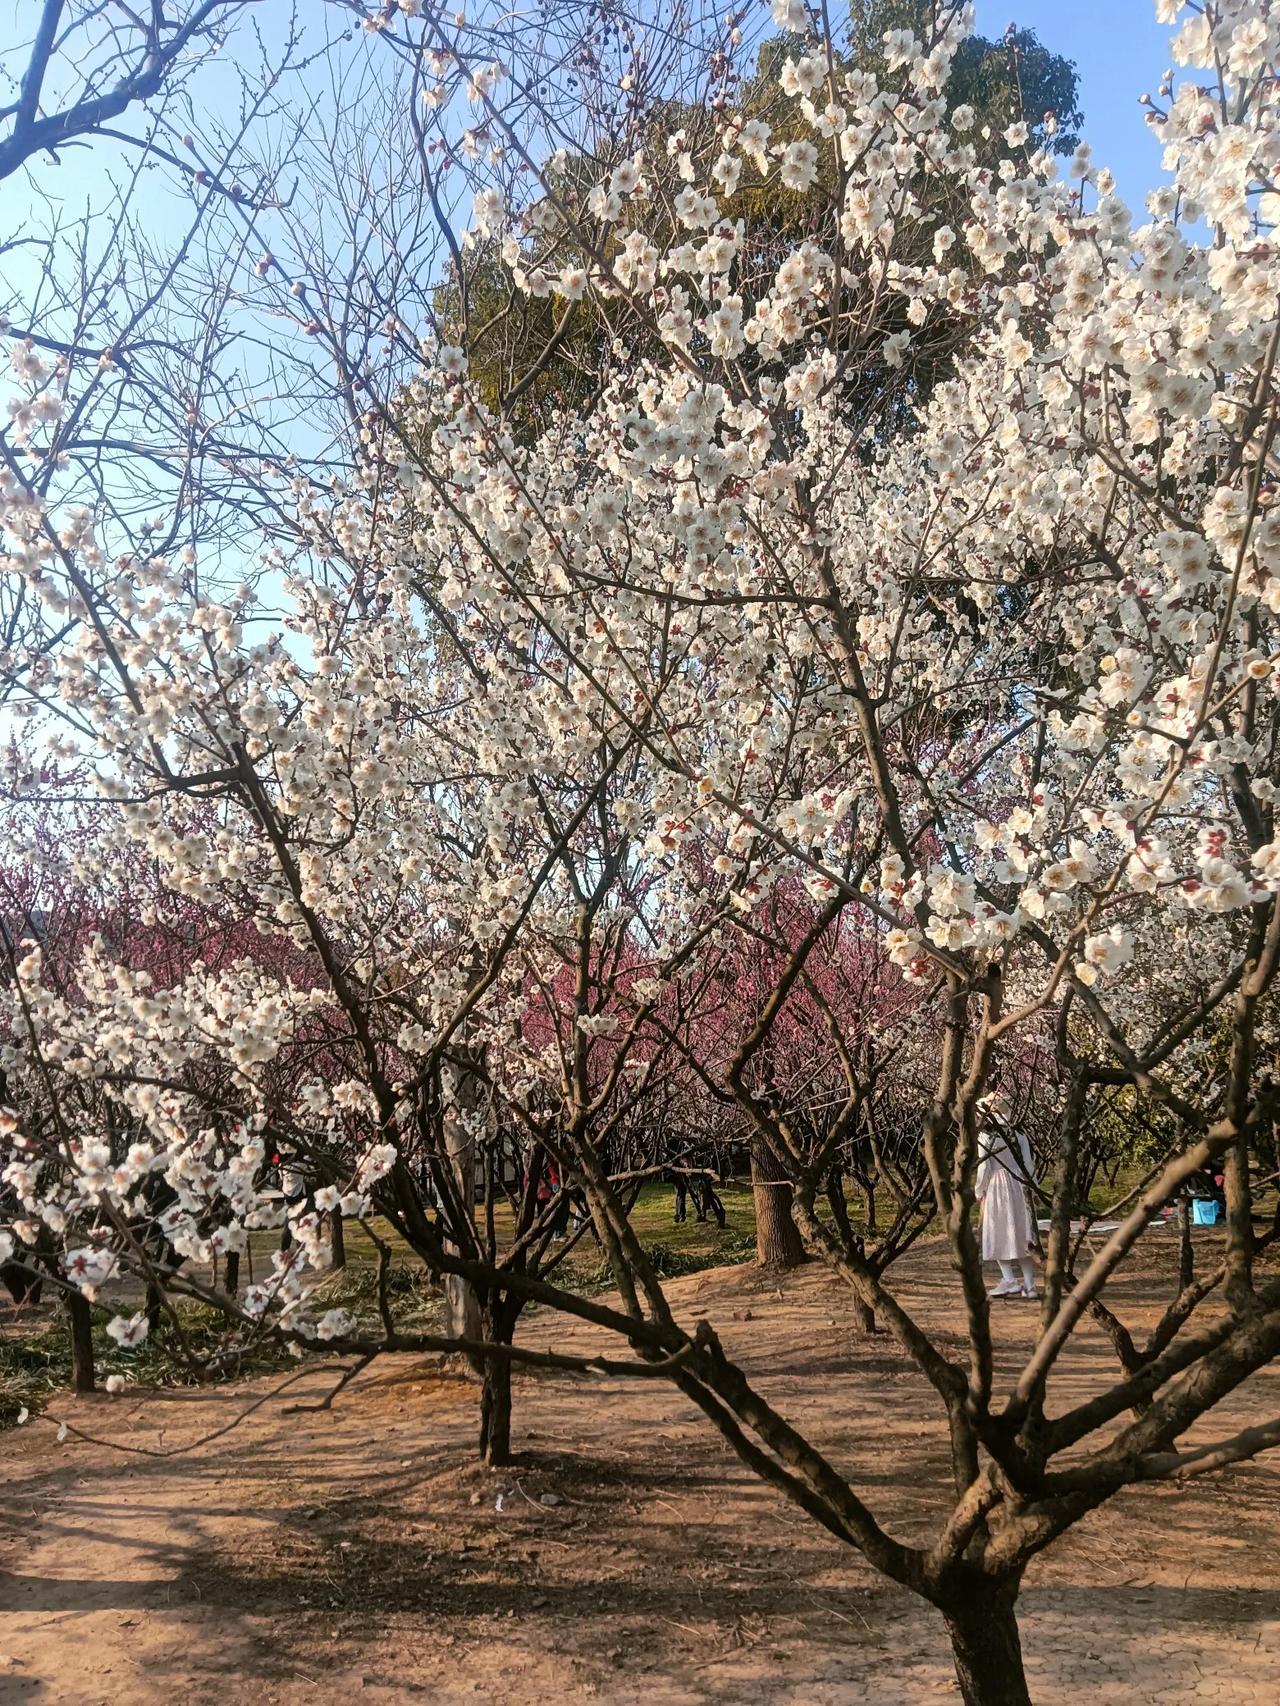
(547,1191)
(1004,1172)
(293,1188)
(560,1213)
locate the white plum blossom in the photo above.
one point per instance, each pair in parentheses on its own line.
(88,1268)
(799,165)
(376,1162)
(335,1324)
(597,1024)
(1105,953)
(790,15)
(128,1331)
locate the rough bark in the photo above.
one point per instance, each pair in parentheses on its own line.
(500,1319)
(464,1097)
(80,1323)
(778,1242)
(840,1209)
(985,1644)
(168,1261)
(495,1413)
(711,1202)
(462,1307)
(1186,1252)
(22,1285)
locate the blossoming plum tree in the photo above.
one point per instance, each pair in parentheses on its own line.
(555,723)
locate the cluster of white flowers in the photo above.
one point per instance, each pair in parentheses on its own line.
(1003,685)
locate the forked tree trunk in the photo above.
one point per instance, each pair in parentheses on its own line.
(778,1242)
(80,1322)
(712,1203)
(983,1625)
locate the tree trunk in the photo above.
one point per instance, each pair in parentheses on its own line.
(778,1243)
(864,1316)
(495,1393)
(1131,1359)
(80,1322)
(464,1095)
(22,1285)
(840,1210)
(337,1239)
(983,1626)
(495,1413)
(168,1261)
(231,1278)
(714,1205)
(1186,1252)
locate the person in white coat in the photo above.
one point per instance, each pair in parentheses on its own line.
(1004,1173)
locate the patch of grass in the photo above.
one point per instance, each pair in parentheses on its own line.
(38,1363)
(415,1299)
(730,1248)
(653,1217)
(669,1262)
(35,1358)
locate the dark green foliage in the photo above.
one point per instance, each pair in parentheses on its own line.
(1019,77)
(1015,78)
(528,355)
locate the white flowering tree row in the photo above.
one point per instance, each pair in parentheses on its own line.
(563,762)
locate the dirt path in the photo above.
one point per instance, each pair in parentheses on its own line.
(358,1552)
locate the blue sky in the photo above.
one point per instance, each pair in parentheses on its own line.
(1120,52)
(1118,47)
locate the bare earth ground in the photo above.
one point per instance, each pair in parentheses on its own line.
(359,1552)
